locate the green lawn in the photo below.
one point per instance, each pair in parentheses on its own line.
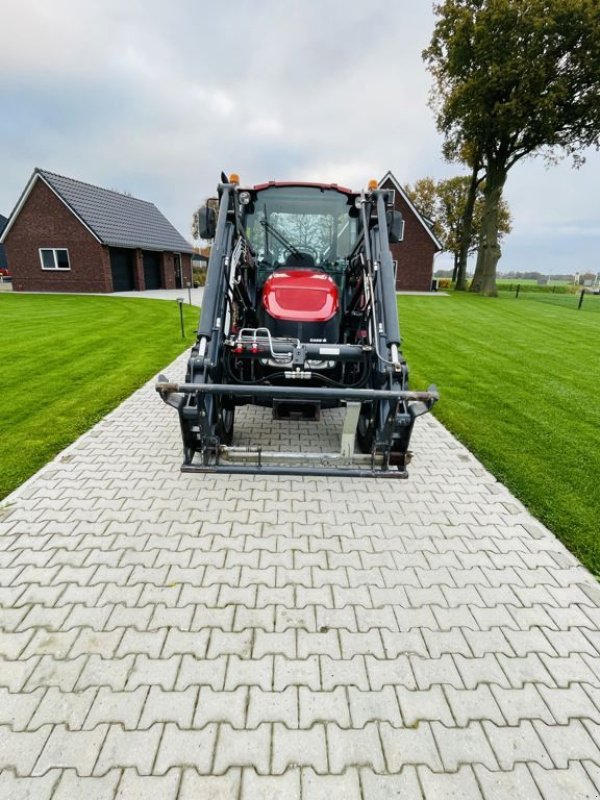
(65,361)
(519,382)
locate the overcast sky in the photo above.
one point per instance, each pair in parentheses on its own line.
(157,98)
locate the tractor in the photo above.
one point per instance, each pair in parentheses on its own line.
(299,314)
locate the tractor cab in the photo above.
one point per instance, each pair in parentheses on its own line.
(302,235)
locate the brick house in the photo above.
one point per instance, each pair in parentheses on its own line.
(415,253)
(68,236)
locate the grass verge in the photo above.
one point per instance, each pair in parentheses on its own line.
(519,385)
(66,361)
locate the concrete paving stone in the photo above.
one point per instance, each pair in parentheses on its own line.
(16,709)
(275,643)
(210,787)
(519,743)
(573,668)
(404,786)
(325,643)
(573,640)
(49,671)
(130,618)
(320,596)
(352,747)
(384,672)
(98,671)
(508,785)
(261,618)
(403,746)
(155,787)
(469,705)
(296,672)
(250,748)
(148,642)
(369,706)
(154,672)
(68,749)
(122,748)
(485,669)
(293,748)
(193,643)
(406,643)
(71,786)
(338,618)
(270,787)
(161,706)
(369,643)
(116,707)
(19,750)
(278,706)
(461,785)
(212,617)
(491,641)
(570,703)
(14,787)
(182,748)
(417,706)
(214,706)
(56,707)
(39,617)
(249,672)
(52,643)
(298,618)
(429,671)
(168,617)
(324,787)
(323,707)
(571,782)
(451,641)
(463,746)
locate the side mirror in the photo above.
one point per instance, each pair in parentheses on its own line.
(207,222)
(395,226)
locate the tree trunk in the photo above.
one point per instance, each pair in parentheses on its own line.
(484,280)
(467,228)
(455,269)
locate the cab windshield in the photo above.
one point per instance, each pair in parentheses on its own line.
(302,225)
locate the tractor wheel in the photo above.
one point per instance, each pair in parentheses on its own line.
(188,455)
(365,430)
(226,418)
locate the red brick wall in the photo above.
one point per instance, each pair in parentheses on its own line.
(44,221)
(415,254)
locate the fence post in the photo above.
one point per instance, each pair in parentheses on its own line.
(581,296)
(518,290)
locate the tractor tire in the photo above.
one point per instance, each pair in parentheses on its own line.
(226,420)
(365,430)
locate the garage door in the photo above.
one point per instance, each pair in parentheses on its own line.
(152,270)
(121,265)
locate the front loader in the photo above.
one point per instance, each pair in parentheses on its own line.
(299,314)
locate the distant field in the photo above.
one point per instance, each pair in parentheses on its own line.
(519,384)
(66,361)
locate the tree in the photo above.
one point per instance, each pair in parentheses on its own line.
(512,79)
(446,204)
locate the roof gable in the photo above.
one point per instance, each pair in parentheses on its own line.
(113,218)
(389,175)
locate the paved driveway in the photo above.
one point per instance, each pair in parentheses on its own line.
(168,635)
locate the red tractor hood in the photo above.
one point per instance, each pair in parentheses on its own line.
(300,295)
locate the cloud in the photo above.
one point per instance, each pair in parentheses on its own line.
(158,98)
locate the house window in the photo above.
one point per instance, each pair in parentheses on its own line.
(54,258)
